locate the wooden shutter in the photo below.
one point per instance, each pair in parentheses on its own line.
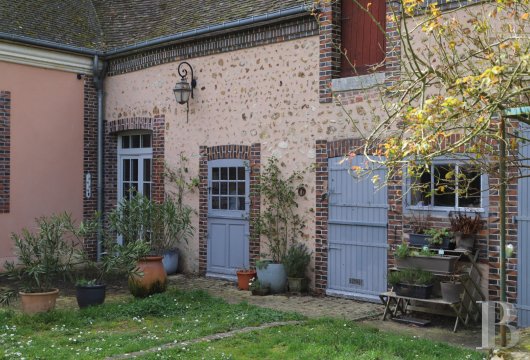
(361,39)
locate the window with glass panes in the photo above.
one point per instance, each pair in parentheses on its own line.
(135,165)
(448,185)
(228,188)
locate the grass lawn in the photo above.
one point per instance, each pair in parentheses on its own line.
(319,339)
(125,326)
(121,327)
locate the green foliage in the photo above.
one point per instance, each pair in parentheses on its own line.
(402,250)
(262,264)
(170,224)
(278,221)
(254,284)
(296,260)
(48,253)
(411,277)
(436,236)
(132,218)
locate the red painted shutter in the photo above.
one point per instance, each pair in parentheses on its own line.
(362,40)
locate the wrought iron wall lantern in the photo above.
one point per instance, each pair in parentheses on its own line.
(183,89)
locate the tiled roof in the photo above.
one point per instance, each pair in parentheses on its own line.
(109,24)
(68,22)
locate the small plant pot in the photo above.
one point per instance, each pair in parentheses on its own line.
(297,285)
(418,240)
(436,264)
(261,292)
(170,260)
(414,291)
(465,241)
(451,291)
(33,303)
(151,279)
(90,295)
(244,277)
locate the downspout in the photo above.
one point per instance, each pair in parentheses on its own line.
(100,69)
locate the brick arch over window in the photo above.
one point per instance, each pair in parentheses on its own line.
(113,129)
(251,153)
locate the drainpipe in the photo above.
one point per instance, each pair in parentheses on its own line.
(100,69)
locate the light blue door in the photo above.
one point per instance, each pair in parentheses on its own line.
(523,241)
(228,217)
(357,232)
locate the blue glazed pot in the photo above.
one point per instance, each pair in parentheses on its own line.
(273,275)
(170,261)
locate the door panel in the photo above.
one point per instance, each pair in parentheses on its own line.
(228,217)
(523,244)
(357,232)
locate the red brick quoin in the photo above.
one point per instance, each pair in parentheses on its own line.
(251,153)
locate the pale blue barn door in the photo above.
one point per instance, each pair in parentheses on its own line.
(523,241)
(228,217)
(357,233)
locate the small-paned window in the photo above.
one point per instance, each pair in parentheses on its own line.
(448,185)
(136,141)
(228,190)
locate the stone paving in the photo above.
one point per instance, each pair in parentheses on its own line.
(307,305)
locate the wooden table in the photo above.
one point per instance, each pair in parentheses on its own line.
(396,303)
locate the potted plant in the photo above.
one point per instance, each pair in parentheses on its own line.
(244,276)
(440,238)
(296,261)
(465,229)
(43,257)
(278,223)
(257,288)
(418,225)
(116,259)
(415,283)
(425,259)
(452,290)
(172,220)
(131,220)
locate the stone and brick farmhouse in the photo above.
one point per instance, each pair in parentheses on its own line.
(75,74)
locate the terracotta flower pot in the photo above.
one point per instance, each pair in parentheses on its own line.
(151,279)
(244,277)
(33,303)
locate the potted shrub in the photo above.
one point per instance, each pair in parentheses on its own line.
(257,288)
(278,223)
(117,259)
(465,229)
(131,219)
(296,261)
(440,238)
(414,283)
(170,224)
(43,257)
(244,276)
(451,290)
(425,259)
(418,226)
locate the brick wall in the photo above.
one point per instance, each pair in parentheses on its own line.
(5,150)
(251,153)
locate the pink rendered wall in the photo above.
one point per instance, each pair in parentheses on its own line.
(46,147)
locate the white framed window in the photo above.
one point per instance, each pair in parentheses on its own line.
(448,186)
(135,164)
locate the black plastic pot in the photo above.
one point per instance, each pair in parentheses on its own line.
(418,240)
(414,291)
(88,295)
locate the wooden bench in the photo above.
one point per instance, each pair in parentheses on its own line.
(395,303)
